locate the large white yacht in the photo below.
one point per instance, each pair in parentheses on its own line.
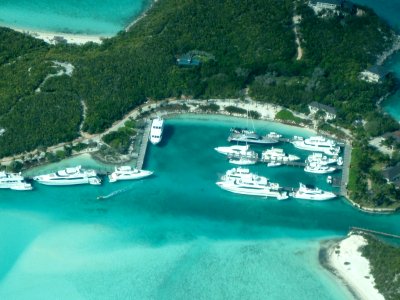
(317,168)
(156,131)
(238,151)
(321,159)
(69,176)
(317,144)
(277,154)
(128,173)
(308,192)
(249,136)
(14,181)
(250,184)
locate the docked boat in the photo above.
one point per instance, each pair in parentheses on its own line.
(156,130)
(329,180)
(316,144)
(243,161)
(244,135)
(274,164)
(322,159)
(237,152)
(319,169)
(14,181)
(128,173)
(308,192)
(69,176)
(277,154)
(250,184)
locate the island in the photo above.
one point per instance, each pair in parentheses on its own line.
(306,57)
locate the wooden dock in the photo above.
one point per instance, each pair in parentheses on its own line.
(375,232)
(143,146)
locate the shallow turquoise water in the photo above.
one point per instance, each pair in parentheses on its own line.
(175,235)
(105,17)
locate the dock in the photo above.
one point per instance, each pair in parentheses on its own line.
(345,169)
(143,146)
(375,232)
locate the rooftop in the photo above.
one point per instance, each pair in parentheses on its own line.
(391,173)
(335,2)
(324,107)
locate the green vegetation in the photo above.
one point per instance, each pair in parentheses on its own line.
(366,185)
(210,107)
(287,116)
(385,266)
(241,44)
(121,139)
(336,50)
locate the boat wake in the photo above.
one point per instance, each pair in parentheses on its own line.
(117,192)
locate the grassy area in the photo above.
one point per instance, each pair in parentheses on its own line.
(287,116)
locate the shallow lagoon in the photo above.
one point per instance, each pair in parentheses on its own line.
(175,235)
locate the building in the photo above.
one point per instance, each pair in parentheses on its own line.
(392,175)
(330,112)
(188,60)
(319,5)
(395,135)
(373,74)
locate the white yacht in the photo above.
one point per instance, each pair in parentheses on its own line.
(249,136)
(250,184)
(274,164)
(317,168)
(14,181)
(128,173)
(238,151)
(69,176)
(308,192)
(317,144)
(243,161)
(321,159)
(156,131)
(277,154)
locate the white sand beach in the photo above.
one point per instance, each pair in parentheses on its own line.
(54,37)
(354,269)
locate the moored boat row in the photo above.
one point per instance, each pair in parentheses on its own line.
(70,176)
(242,181)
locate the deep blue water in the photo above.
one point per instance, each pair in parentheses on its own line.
(175,235)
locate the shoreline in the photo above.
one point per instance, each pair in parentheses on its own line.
(343,259)
(53,37)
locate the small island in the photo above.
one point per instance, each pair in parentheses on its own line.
(63,99)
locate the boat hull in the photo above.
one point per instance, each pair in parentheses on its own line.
(252,192)
(115,178)
(314,197)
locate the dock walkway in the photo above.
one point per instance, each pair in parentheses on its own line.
(375,232)
(143,146)
(346,167)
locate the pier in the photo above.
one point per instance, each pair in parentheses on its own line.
(345,170)
(143,146)
(375,232)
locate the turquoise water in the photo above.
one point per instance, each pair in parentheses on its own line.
(104,18)
(175,235)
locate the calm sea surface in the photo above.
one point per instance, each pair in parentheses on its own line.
(105,17)
(175,235)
